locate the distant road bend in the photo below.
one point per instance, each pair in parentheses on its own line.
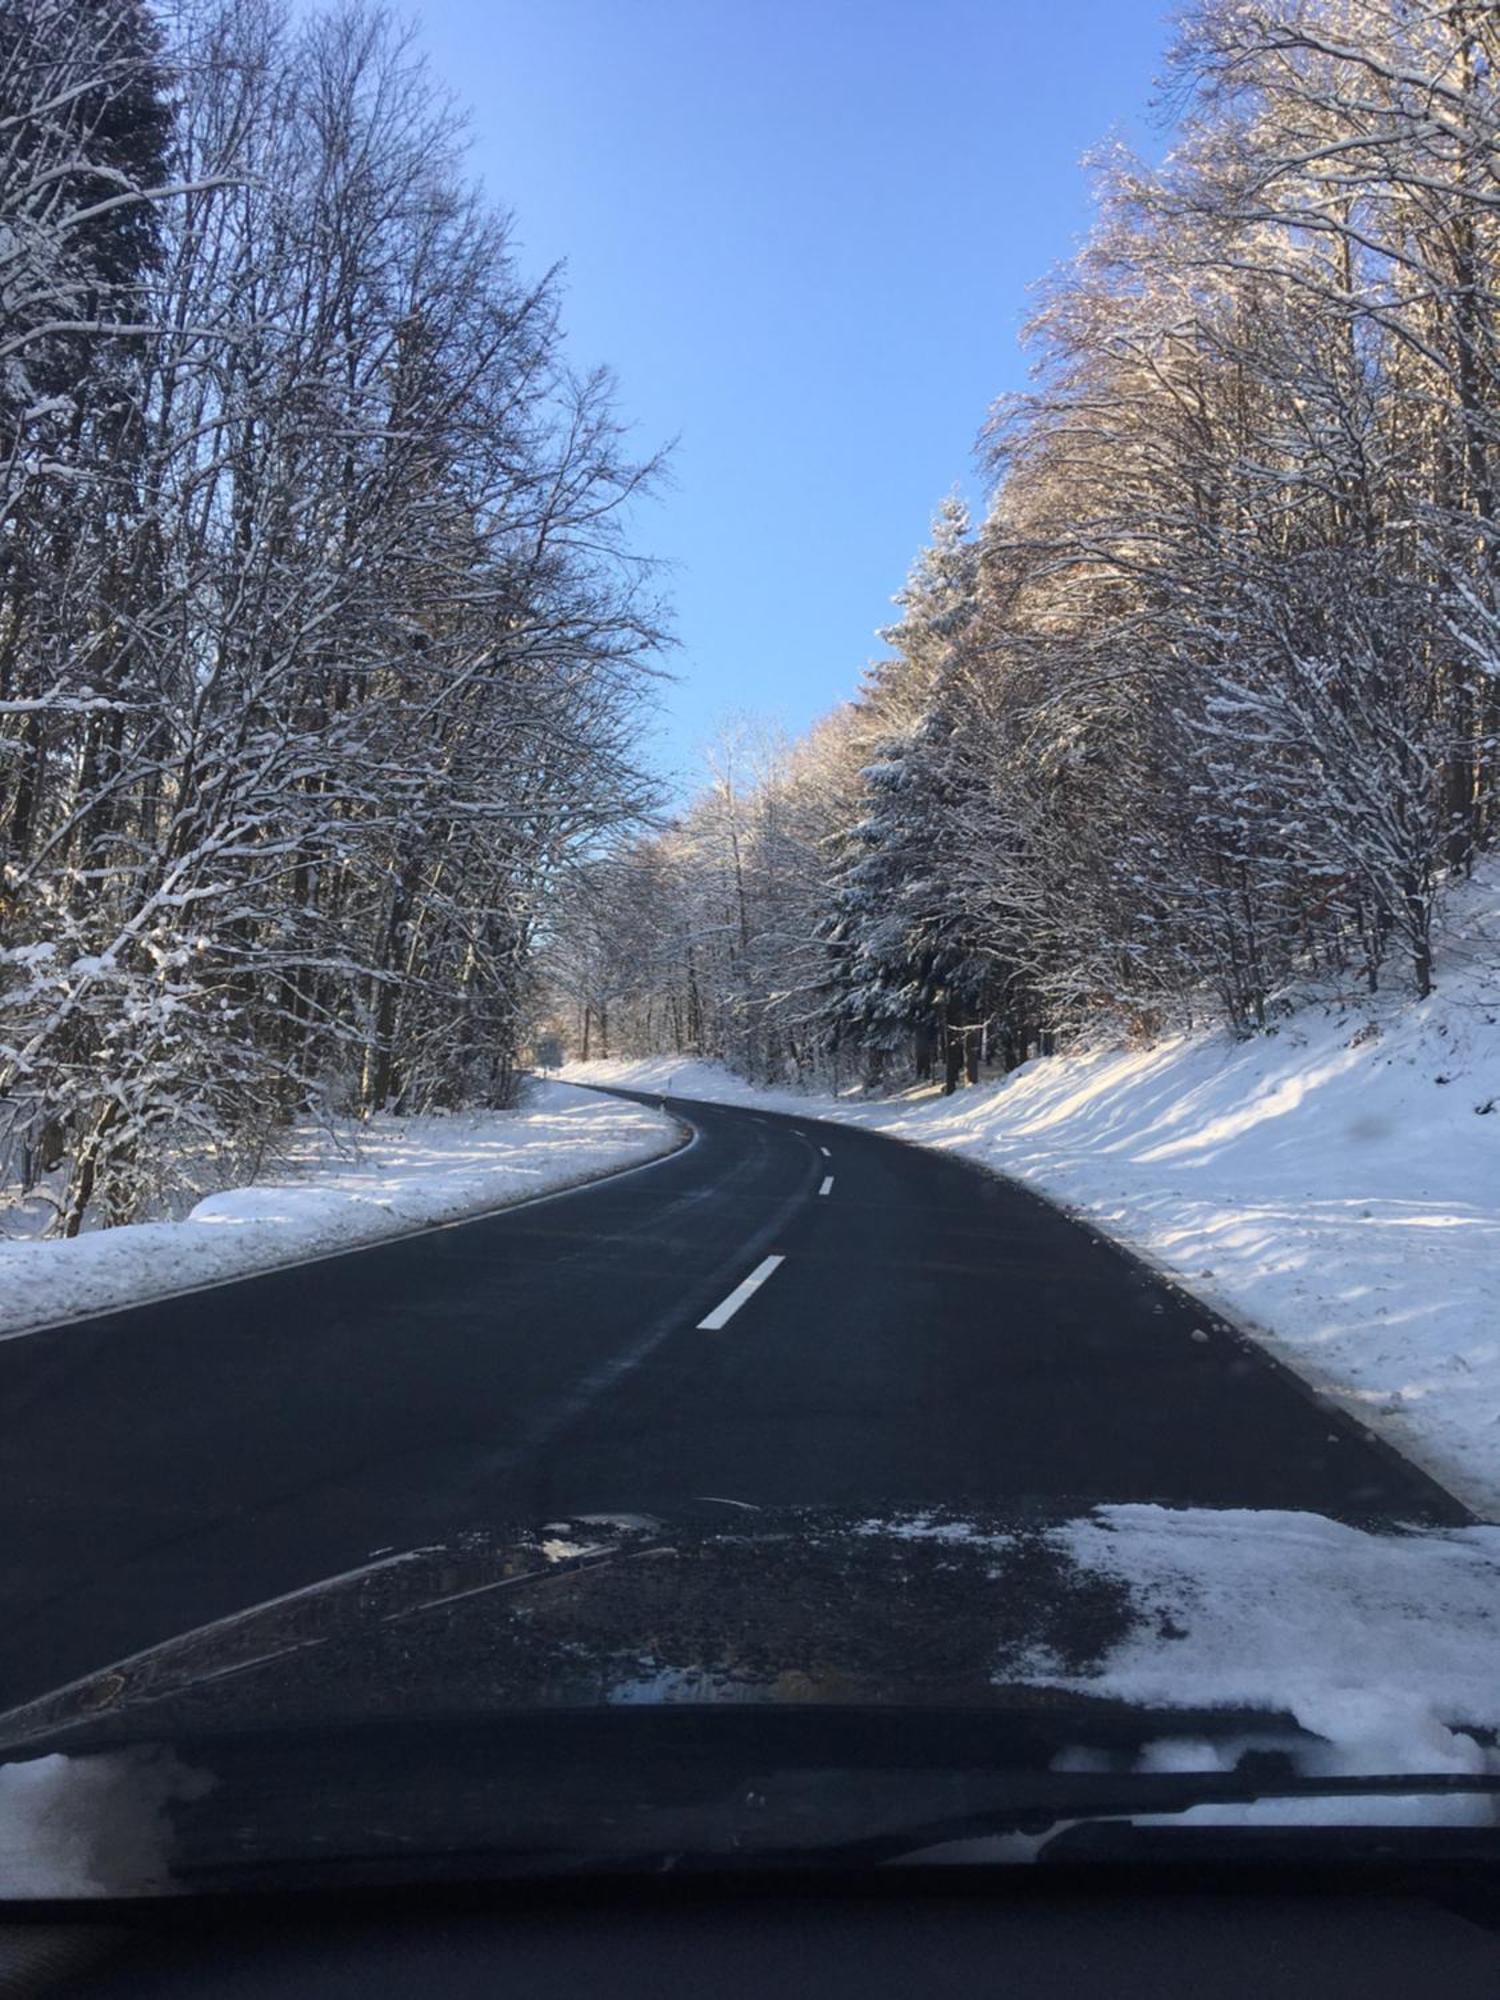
(783,1312)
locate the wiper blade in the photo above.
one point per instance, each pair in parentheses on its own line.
(1088,1800)
(756,1831)
(810,1822)
(734,1842)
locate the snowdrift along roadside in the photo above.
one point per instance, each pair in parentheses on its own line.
(1333,1186)
(401,1174)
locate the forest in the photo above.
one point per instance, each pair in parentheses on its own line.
(327,656)
(1206,704)
(324,647)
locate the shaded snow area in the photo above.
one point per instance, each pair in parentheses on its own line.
(1333,1185)
(90,1826)
(1383,1645)
(343,1189)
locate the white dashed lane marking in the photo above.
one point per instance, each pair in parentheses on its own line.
(726,1310)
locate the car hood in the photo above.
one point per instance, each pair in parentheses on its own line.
(733,1682)
(1344,1626)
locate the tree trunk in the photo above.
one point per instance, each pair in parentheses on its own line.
(923,1052)
(86,1169)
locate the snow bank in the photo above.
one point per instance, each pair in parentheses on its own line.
(401,1174)
(1333,1185)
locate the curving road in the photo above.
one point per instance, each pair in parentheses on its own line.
(920,1332)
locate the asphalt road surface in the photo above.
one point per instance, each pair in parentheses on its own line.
(931,1334)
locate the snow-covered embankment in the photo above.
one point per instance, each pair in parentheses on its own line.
(399,1174)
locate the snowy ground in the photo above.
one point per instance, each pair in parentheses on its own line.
(1333,1186)
(366,1182)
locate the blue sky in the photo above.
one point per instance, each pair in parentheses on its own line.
(803,233)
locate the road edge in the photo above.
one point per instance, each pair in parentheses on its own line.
(682,1137)
(1263,1344)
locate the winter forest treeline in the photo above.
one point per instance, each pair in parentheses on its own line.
(322,644)
(325,652)
(1208,702)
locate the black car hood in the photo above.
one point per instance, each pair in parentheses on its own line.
(736,1680)
(726,1605)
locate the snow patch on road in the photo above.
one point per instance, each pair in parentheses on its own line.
(344,1190)
(1334,1185)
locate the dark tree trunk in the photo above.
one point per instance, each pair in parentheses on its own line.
(923,1052)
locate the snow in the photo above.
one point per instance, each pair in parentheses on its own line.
(1380,1646)
(1333,1186)
(1383,1645)
(395,1175)
(1381,1642)
(90,1826)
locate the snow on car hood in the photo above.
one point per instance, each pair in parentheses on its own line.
(1382,1637)
(1385,1641)
(1129,1640)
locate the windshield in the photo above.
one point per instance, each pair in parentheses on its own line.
(677,1187)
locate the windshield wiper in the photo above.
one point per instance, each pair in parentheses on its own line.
(1090,1800)
(752,1833)
(1081,1815)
